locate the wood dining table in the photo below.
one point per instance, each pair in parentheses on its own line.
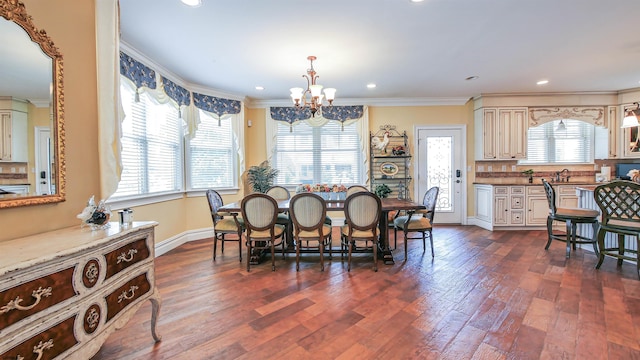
(388,205)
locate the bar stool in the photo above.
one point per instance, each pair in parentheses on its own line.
(571,217)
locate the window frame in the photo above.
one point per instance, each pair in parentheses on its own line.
(550,143)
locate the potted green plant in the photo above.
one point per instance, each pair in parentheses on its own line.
(261,177)
(382,190)
(529,173)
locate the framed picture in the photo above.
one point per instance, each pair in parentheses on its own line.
(388,169)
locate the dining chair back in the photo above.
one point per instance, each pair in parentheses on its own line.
(619,202)
(260,212)
(419,222)
(362,211)
(281,193)
(224,224)
(354,189)
(308,212)
(571,217)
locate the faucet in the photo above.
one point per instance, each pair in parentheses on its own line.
(559,177)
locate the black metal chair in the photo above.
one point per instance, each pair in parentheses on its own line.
(224,224)
(571,217)
(419,222)
(619,202)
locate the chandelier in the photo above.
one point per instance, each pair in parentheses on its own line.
(312,97)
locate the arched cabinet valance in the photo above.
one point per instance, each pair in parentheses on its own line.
(591,114)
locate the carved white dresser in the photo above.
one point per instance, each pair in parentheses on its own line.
(62,293)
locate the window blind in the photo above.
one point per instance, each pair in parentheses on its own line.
(211,154)
(151,147)
(311,155)
(548,144)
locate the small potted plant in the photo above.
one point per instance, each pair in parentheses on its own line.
(529,173)
(261,177)
(382,190)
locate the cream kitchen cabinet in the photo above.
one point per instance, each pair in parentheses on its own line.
(62,300)
(13,136)
(501,133)
(537,206)
(509,202)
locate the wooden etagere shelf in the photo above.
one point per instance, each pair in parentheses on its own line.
(390,161)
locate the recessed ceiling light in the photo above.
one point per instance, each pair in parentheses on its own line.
(474,77)
(192,3)
(371,86)
(259,87)
(543,82)
(416,1)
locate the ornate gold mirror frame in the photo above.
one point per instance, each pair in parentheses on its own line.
(15,11)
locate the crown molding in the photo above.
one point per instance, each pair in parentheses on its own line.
(450,101)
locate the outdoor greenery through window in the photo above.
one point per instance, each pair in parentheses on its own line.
(151,147)
(547,143)
(211,154)
(312,155)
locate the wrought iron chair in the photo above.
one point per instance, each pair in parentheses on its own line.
(419,222)
(260,212)
(571,217)
(308,212)
(224,224)
(362,211)
(619,202)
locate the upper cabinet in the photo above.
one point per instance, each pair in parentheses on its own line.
(13,136)
(501,133)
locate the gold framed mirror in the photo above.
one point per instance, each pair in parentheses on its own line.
(32,166)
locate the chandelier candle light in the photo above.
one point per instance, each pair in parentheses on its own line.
(314,91)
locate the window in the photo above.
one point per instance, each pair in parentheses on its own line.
(324,154)
(547,143)
(151,146)
(212,155)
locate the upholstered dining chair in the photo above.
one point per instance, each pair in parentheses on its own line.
(260,213)
(420,222)
(571,217)
(308,212)
(362,211)
(281,193)
(619,202)
(224,224)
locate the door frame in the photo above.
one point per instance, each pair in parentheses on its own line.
(464,167)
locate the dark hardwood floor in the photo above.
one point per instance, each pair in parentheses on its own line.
(486,295)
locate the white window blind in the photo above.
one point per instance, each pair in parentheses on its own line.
(151,147)
(548,144)
(211,154)
(311,155)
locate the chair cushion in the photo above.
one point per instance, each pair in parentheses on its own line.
(577,212)
(227,224)
(416,223)
(625,224)
(266,234)
(326,231)
(358,233)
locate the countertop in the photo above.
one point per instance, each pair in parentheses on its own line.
(576,183)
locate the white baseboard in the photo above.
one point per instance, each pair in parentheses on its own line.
(183,238)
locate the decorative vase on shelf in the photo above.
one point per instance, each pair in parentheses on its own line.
(95,216)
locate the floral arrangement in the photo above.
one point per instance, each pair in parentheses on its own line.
(322,188)
(96,216)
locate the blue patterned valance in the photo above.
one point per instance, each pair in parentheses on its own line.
(176,92)
(216,105)
(135,71)
(339,113)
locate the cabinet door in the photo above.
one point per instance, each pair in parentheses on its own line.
(5,136)
(614,148)
(567,197)
(537,210)
(501,210)
(483,203)
(512,138)
(489,132)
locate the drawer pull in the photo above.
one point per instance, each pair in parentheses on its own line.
(39,349)
(15,304)
(124,295)
(127,257)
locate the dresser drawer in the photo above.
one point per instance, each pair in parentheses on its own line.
(126,294)
(50,343)
(26,299)
(125,256)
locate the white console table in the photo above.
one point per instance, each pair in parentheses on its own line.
(62,293)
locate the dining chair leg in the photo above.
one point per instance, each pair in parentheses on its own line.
(349,256)
(424,241)
(620,248)
(600,236)
(549,232)
(273,255)
(406,252)
(248,255)
(320,246)
(222,245)
(240,245)
(215,245)
(431,241)
(395,237)
(568,231)
(297,254)
(375,256)
(595,238)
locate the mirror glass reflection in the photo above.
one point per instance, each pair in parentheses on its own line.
(31,127)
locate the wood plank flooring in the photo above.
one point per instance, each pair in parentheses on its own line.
(486,295)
